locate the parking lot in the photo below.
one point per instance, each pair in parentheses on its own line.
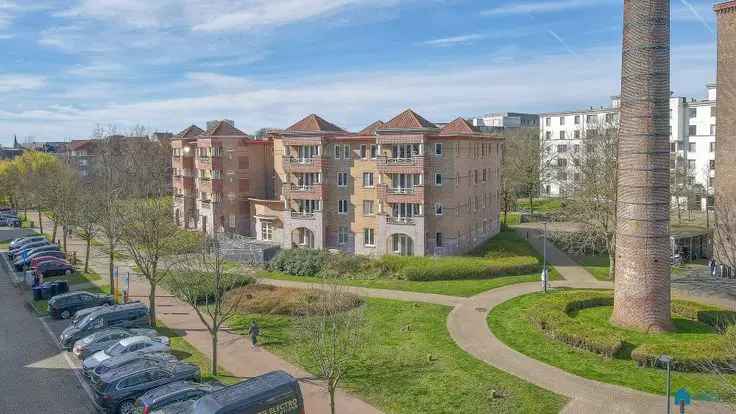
(36,376)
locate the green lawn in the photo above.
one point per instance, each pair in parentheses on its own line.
(411,365)
(506,247)
(185,352)
(596,265)
(510,323)
(76,278)
(541,205)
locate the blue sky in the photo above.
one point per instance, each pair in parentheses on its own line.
(68,65)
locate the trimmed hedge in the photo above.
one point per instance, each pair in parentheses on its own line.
(299,262)
(718,353)
(717,318)
(463,268)
(552,316)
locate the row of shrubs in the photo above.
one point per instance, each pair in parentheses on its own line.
(712,354)
(714,317)
(301,262)
(552,316)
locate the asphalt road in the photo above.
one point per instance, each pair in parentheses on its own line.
(35,377)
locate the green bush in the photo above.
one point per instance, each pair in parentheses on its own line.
(718,353)
(552,315)
(718,319)
(345,265)
(463,268)
(299,262)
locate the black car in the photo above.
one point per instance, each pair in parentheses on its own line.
(54,268)
(132,358)
(24,258)
(65,305)
(276,392)
(173,393)
(117,390)
(129,315)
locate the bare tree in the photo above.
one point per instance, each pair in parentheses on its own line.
(149,234)
(211,286)
(87,221)
(332,336)
(528,162)
(594,190)
(682,184)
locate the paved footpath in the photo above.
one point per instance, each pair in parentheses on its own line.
(235,353)
(468,326)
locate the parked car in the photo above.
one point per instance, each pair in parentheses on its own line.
(132,358)
(276,392)
(9,221)
(117,390)
(25,257)
(140,343)
(47,256)
(65,305)
(130,315)
(172,393)
(54,268)
(181,407)
(105,338)
(80,314)
(17,251)
(16,243)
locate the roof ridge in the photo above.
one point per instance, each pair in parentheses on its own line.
(409,120)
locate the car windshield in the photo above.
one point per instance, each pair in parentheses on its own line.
(84,321)
(116,349)
(88,339)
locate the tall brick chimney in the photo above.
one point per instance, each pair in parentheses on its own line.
(642,286)
(725,186)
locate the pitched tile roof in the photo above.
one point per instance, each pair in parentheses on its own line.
(459,127)
(726,6)
(371,129)
(314,123)
(223,128)
(77,144)
(408,120)
(191,132)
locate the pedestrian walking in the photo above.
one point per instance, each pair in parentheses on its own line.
(253,332)
(712,265)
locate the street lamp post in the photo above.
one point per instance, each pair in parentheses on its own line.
(545,275)
(667,360)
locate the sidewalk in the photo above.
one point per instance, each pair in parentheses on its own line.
(235,353)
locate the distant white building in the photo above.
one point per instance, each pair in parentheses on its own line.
(692,137)
(505,120)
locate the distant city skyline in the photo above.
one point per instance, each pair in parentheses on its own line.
(73,64)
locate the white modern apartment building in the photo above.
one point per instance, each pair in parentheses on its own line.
(692,139)
(496,122)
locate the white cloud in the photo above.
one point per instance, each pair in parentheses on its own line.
(98,70)
(541,7)
(216,81)
(454,40)
(10,83)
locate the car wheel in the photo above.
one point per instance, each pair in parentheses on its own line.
(65,314)
(126,407)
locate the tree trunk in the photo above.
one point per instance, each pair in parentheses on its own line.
(53,233)
(214,352)
(112,268)
(86,254)
(612,264)
(531,201)
(40,221)
(63,237)
(332,388)
(152,303)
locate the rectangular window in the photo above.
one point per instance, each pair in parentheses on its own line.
(438,179)
(232,223)
(712,164)
(438,149)
(713,129)
(485,175)
(692,147)
(691,164)
(374,151)
(562,134)
(713,111)
(342,179)
(692,130)
(363,151)
(548,122)
(692,113)
(475,176)
(367,207)
(266,230)
(577,134)
(712,147)
(562,162)
(346,154)
(342,235)
(338,151)
(438,239)
(342,206)
(561,149)
(438,209)
(562,120)
(577,119)
(548,135)
(367,179)
(369,237)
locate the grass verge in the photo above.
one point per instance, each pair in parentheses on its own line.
(412,365)
(511,324)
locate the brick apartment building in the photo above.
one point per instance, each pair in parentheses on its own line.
(215,173)
(405,187)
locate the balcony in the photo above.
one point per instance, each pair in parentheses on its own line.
(303,215)
(205,204)
(303,164)
(401,194)
(400,221)
(306,192)
(400,165)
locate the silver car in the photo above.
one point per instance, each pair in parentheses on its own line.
(138,344)
(105,338)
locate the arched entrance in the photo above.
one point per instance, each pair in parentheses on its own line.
(401,245)
(303,238)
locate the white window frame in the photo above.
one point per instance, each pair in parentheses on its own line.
(343,235)
(370,176)
(369,237)
(439,209)
(438,179)
(368,207)
(342,207)
(342,179)
(438,149)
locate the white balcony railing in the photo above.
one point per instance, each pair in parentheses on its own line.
(302,215)
(402,190)
(404,221)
